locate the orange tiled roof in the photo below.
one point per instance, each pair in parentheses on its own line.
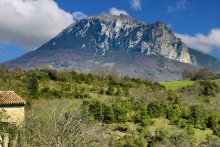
(10,98)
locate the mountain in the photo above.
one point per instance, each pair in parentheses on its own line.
(129,46)
(206,60)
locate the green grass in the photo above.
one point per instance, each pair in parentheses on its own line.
(200,135)
(174,85)
(162,123)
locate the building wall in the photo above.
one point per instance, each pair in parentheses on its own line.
(16,114)
(4,139)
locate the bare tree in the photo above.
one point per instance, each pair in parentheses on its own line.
(188,74)
(106,71)
(62,126)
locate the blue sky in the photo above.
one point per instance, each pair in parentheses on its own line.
(28,24)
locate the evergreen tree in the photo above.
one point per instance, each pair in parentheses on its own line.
(33,85)
(110,90)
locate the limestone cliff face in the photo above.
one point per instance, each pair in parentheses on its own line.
(185,57)
(105,34)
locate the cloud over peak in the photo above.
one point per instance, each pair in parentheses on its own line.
(79,15)
(204,43)
(115,11)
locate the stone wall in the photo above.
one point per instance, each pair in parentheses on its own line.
(15,114)
(4,139)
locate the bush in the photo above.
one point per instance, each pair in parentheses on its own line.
(172,111)
(120,111)
(155,109)
(122,127)
(110,91)
(182,123)
(102,112)
(216,131)
(202,88)
(212,121)
(209,88)
(161,136)
(108,114)
(33,85)
(190,130)
(53,75)
(146,122)
(102,91)
(96,108)
(198,117)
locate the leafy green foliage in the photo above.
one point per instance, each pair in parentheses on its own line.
(203,88)
(209,88)
(126,105)
(33,85)
(155,109)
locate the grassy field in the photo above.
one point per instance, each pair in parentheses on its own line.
(174,85)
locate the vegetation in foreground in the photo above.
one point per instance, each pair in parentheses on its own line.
(67,108)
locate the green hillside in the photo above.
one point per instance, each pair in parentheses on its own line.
(103,110)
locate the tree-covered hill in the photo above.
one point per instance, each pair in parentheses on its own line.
(70,108)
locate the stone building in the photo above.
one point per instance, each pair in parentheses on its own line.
(13,105)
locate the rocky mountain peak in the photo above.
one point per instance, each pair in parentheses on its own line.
(109,17)
(130,47)
(104,34)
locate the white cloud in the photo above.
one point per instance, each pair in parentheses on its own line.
(204,43)
(79,15)
(115,11)
(180,5)
(135,4)
(31,22)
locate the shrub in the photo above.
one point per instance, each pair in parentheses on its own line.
(209,88)
(161,136)
(197,116)
(108,114)
(110,91)
(102,112)
(96,108)
(212,121)
(122,127)
(190,130)
(33,85)
(101,91)
(155,109)
(53,75)
(216,131)
(120,111)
